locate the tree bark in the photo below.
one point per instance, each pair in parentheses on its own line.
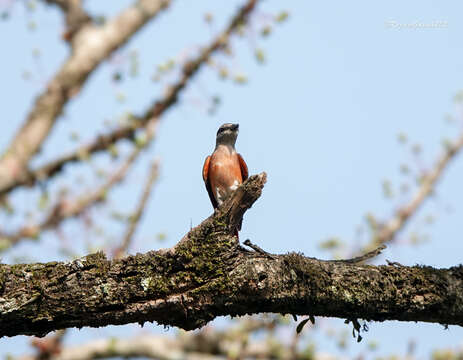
(208,274)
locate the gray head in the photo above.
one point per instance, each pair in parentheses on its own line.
(227,134)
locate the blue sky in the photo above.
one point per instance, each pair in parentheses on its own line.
(321,117)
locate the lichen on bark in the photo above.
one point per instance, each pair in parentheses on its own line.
(209,274)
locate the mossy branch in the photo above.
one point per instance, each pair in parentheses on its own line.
(208,274)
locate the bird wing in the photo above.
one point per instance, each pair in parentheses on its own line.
(207,182)
(243,167)
(244,176)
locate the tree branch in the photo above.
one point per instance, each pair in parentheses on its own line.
(65,209)
(49,346)
(151,347)
(389,229)
(90,47)
(207,274)
(135,218)
(158,108)
(76,16)
(209,344)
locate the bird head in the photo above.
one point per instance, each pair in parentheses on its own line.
(227,134)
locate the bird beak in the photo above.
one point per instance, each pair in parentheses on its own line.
(235,127)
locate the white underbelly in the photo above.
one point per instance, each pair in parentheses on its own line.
(223,193)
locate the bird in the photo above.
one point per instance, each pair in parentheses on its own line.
(225,169)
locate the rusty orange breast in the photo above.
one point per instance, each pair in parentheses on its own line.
(224,173)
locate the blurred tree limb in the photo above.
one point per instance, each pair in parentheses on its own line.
(207,274)
(11,178)
(65,209)
(90,46)
(209,344)
(76,16)
(388,230)
(138,213)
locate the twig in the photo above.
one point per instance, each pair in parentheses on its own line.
(389,230)
(135,218)
(66,209)
(361,258)
(393,263)
(256,248)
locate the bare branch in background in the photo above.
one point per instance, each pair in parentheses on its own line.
(102,142)
(76,17)
(48,347)
(66,209)
(151,347)
(208,344)
(137,215)
(388,230)
(90,47)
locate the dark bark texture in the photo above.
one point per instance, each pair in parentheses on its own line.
(208,274)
